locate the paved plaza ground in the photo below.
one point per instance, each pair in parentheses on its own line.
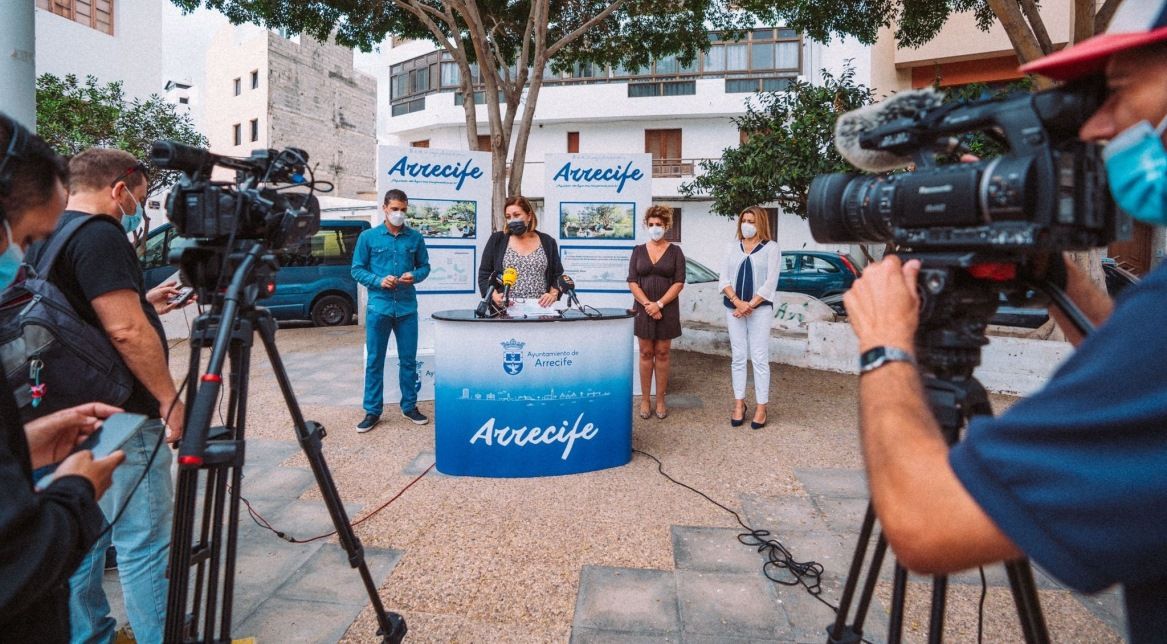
(620,555)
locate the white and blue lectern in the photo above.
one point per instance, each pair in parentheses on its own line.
(518,397)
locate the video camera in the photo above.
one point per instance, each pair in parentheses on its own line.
(985,230)
(250,208)
(1047,193)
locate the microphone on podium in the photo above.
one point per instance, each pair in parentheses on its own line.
(486,306)
(509,277)
(567,287)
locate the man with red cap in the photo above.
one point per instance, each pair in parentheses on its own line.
(1075,476)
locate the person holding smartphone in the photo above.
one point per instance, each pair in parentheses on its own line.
(45,533)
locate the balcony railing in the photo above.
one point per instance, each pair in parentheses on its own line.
(674,168)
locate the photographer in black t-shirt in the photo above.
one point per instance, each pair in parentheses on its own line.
(43,534)
(99,273)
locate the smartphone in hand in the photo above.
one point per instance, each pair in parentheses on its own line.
(114,433)
(182,296)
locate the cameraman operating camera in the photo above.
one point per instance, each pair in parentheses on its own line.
(1074,477)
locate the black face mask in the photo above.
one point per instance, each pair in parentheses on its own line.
(516,226)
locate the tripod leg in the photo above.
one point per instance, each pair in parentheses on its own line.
(869,585)
(936,619)
(1028,606)
(838,632)
(182,530)
(899,589)
(392,625)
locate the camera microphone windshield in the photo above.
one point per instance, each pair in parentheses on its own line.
(171,155)
(854,129)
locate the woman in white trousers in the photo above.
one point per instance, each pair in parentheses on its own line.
(749,281)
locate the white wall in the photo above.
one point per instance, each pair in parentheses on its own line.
(184,58)
(132,55)
(233,53)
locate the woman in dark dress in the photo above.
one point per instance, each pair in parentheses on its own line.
(656,275)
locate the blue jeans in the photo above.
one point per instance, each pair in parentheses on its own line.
(377,331)
(142,538)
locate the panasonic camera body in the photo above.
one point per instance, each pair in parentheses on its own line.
(1047,193)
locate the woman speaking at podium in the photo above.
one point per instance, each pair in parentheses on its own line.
(533,255)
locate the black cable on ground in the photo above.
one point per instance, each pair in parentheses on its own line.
(263,523)
(807,574)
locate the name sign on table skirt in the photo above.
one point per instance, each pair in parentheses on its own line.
(532,398)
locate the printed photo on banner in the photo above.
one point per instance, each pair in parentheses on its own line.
(597,220)
(597,268)
(453,269)
(443,218)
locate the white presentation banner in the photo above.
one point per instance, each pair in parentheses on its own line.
(594,206)
(450,205)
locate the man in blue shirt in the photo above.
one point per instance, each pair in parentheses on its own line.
(389,260)
(1075,476)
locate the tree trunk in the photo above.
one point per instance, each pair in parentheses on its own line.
(1105,13)
(469,107)
(519,162)
(1020,34)
(1082,20)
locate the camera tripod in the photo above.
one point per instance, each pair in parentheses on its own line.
(229,329)
(954,314)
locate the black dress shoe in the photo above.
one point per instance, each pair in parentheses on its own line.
(737,422)
(756,425)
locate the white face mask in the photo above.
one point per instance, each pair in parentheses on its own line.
(396,218)
(656,233)
(749,230)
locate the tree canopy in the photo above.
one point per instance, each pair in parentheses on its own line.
(73,116)
(788,139)
(503,48)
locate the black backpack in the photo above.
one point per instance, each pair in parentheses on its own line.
(54,359)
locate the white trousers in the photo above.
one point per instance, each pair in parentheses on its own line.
(749,338)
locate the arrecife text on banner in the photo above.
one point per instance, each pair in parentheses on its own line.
(523,436)
(619,174)
(460,170)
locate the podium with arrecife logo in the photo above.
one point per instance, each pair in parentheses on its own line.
(532,396)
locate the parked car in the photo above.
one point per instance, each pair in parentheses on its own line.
(1117,279)
(314,281)
(819,274)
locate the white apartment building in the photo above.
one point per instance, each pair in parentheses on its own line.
(113,40)
(680,114)
(266,91)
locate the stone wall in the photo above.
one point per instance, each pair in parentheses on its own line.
(318,102)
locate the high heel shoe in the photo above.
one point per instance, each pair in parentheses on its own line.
(755,424)
(737,422)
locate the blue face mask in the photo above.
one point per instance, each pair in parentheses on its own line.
(11,259)
(130,222)
(1136,166)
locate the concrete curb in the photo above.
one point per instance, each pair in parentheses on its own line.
(1017,366)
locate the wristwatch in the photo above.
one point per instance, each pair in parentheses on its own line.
(873,359)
